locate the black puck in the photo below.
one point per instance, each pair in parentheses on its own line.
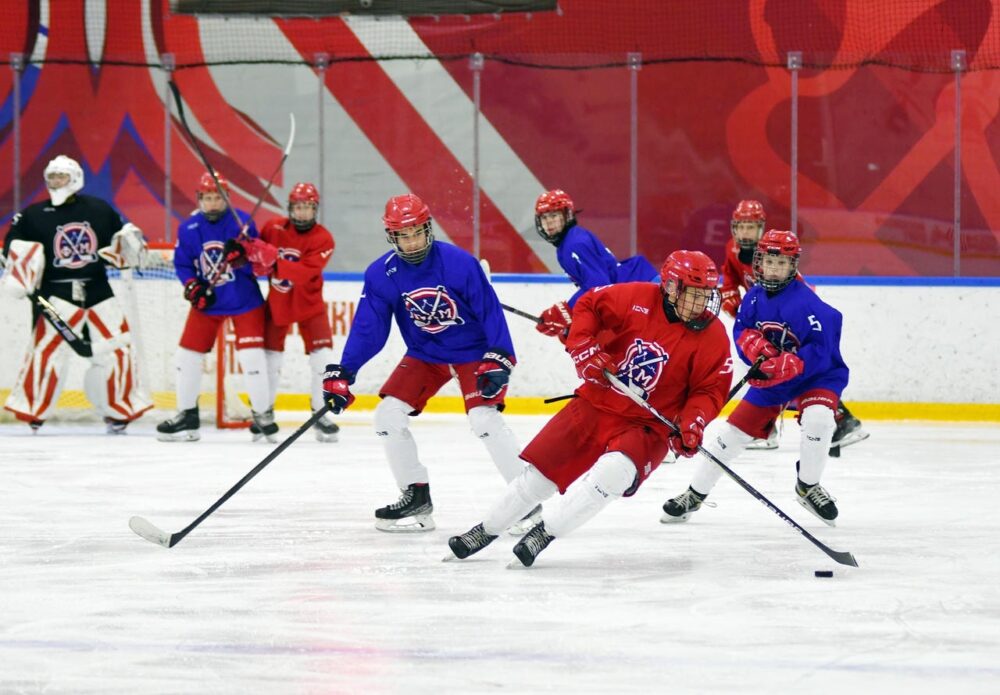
(823,573)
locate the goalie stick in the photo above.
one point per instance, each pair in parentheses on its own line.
(219,270)
(153,534)
(844,558)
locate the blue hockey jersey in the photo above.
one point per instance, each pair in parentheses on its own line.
(198,253)
(589,263)
(444,306)
(797,320)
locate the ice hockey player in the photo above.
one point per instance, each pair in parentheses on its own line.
(453,327)
(58,249)
(799,336)
(582,256)
(292,251)
(217,291)
(665,344)
(747,226)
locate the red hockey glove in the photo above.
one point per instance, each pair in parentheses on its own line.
(754,344)
(199,293)
(691,431)
(778,370)
(731,301)
(261,254)
(493,373)
(591,361)
(555,320)
(234,253)
(336,391)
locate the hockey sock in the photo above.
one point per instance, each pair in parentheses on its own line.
(274,361)
(188,364)
(488,424)
(520,497)
(392,426)
(818,425)
(727,443)
(610,477)
(318,359)
(254,365)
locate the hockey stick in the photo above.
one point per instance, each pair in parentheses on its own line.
(168,540)
(215,177)
(523,314)
(844,558)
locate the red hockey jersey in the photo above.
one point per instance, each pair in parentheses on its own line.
(679,370)
(296,291)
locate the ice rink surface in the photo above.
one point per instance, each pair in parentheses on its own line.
(288,588)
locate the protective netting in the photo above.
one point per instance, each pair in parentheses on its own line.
(917,35)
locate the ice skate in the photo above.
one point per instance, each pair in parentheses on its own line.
(533,543)
(470,542)
(263,426)
(525,523)
(115,426)
(681,507)
(765,444)
(818,501)
(326,429)
(183,427)
(35,425)
(849,431)
(411,514)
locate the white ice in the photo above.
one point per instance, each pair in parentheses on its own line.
(288,588)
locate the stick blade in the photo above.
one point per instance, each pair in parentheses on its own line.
(843,558)
(146,530)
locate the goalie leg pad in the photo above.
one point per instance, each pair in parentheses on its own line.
(392,427)
(111,383)
(492,430)
(611,476)
(521,496)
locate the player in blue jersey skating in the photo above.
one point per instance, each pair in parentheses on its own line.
(217,290)
(453,327)
(799,336)
(583,257)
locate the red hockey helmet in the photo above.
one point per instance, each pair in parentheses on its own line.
(752,212)
(206,184)
(692,279)
(555,200)
(303,193)
(773,245)
(403,212)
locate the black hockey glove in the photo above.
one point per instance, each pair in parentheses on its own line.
(493,373)
(199,293)
(234,253)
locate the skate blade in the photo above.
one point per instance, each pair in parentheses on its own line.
(420,524)
(184,437)
(516,564)
(667,519)
(805,505)
(327,438)
(852,438)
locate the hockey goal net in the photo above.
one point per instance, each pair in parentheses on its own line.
(156,311)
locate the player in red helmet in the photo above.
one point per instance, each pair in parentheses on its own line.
(454,328)
(662,340)
(587,261)
(798,335)
(292,253)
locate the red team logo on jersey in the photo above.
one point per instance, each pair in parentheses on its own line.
(431,309)
(284,286)
(780,335)
(642,366)
(74,246)
(210,261)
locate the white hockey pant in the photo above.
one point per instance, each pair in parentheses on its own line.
(392,426)
(817,424)
(111,382)
(254,366)
(521,496)
(725,442)
(489,426)
(318,359)
(611,476)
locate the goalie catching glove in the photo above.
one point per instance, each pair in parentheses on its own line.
(199,293)
(336,388)
(127,249)
(493,373)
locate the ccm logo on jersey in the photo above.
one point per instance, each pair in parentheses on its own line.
(74,245)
